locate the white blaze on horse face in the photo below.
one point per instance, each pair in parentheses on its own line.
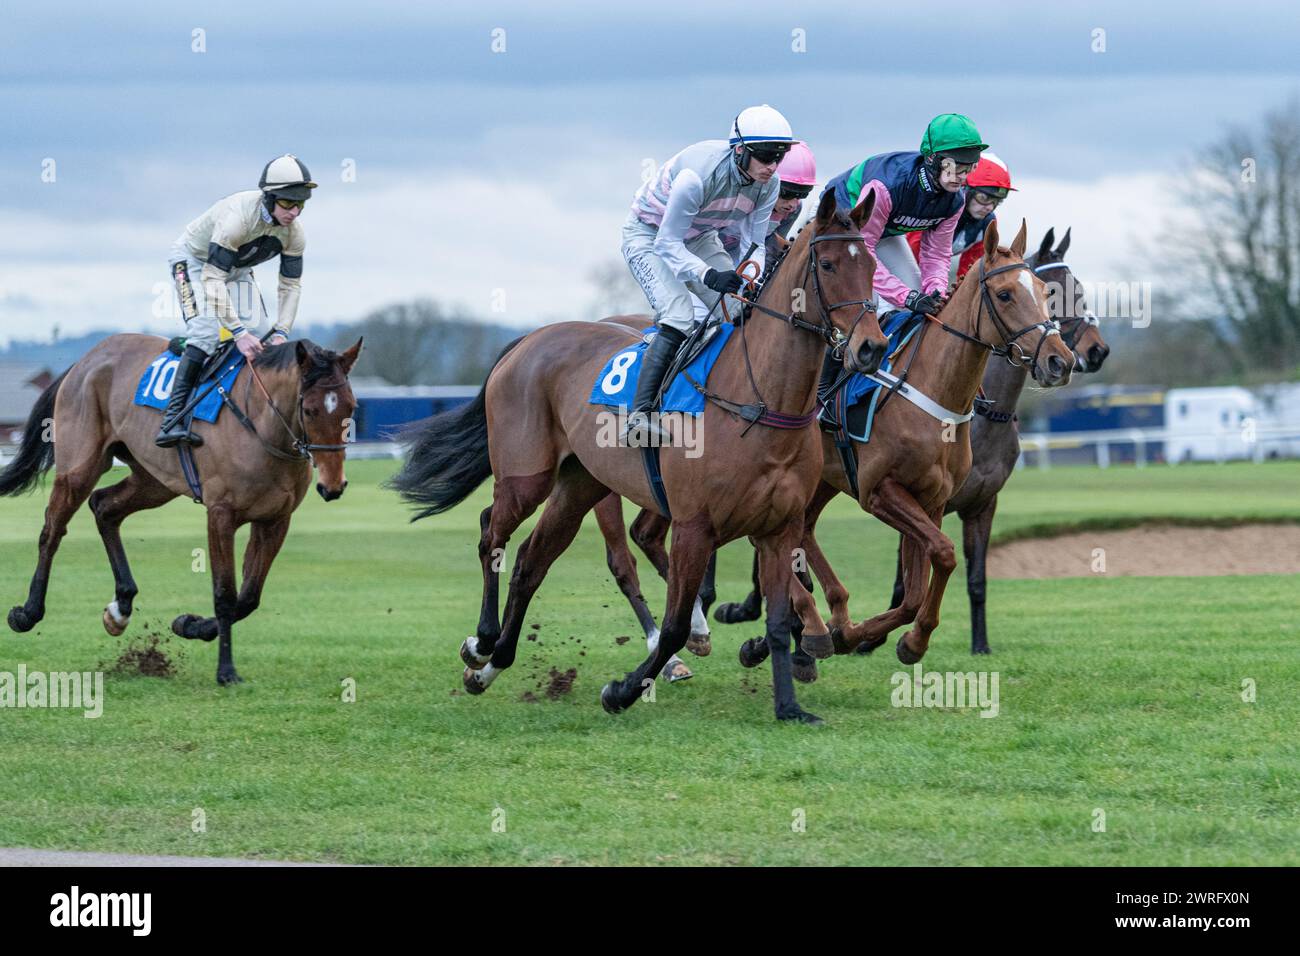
(331,402)
(853,250)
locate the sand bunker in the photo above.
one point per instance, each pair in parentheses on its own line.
(1152,551)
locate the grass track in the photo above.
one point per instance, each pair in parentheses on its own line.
(1116,694)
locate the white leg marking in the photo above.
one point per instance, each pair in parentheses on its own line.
(487,675)
(116,613)
(652,639)
(699,623)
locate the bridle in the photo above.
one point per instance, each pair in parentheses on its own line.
(1013,353)
(825,329)
(302,448)
(1077,323)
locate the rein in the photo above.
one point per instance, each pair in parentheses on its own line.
(759,413)
(302,449)
(1047,328)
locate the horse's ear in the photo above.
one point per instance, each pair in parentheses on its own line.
(862,212)
(303,354)
(349,358)
(826,209)
(1045,246)
(1018,243)
(1065,244)
(991,240)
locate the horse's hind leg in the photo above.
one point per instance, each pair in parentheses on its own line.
(264,542)
(650,531)
(750,609)
(576,492)
(622,564)
(513,500)
(693,542)
(72,486)
(138,491)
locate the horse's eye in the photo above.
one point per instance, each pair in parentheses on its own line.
(1004,296)
(827,265)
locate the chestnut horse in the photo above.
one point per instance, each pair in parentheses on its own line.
(994,441)
(533,429)
(254,473)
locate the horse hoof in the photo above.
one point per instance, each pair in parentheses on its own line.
(609,700)
(469,656)
(982,649)
(733,613)
(804,673)
(701,645)
(753,652)
(229,677)
(819,646)
(470,679)
(905,653)
(114,627)
(20,620)
(866,647)
(799,715)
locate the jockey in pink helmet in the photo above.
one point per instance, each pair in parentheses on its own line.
(798,174)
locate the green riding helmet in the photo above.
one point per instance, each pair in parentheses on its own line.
(954,136)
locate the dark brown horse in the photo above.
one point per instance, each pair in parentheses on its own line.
(533,429)
(256,473)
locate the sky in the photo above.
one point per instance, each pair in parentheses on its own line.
(496,146)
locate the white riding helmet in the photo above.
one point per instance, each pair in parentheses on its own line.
(760,124)
(285,177)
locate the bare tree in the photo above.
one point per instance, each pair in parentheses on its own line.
(1243,255)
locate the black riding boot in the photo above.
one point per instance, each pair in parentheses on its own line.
(173,430)
(831,369)
(654,366)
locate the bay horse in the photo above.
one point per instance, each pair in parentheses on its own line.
(257,472)
(533,429)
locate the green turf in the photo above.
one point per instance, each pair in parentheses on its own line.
(1119,695)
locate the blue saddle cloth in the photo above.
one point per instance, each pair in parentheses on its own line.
(616,385)
(155,386)
(899,328)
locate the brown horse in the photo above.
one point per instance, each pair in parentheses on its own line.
(533,429)
(994,441)
(916,458)
(254,473)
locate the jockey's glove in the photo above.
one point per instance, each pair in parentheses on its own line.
(729,281)
(929,303)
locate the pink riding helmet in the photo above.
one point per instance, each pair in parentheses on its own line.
(798,167)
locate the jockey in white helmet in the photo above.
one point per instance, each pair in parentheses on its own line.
(214,258)
(672,242)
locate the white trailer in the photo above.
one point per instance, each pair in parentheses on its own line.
(1210,424)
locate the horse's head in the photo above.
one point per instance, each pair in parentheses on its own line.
(326,406)
(1069,307)
(841,272)
(1011,305)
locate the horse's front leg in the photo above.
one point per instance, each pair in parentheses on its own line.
(264,543)
(221,558)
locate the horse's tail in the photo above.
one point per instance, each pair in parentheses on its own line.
(36,453)
(447,455)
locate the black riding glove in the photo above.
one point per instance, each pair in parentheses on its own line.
(724,282)
(929,303)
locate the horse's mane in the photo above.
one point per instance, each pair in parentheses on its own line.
(285,355)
